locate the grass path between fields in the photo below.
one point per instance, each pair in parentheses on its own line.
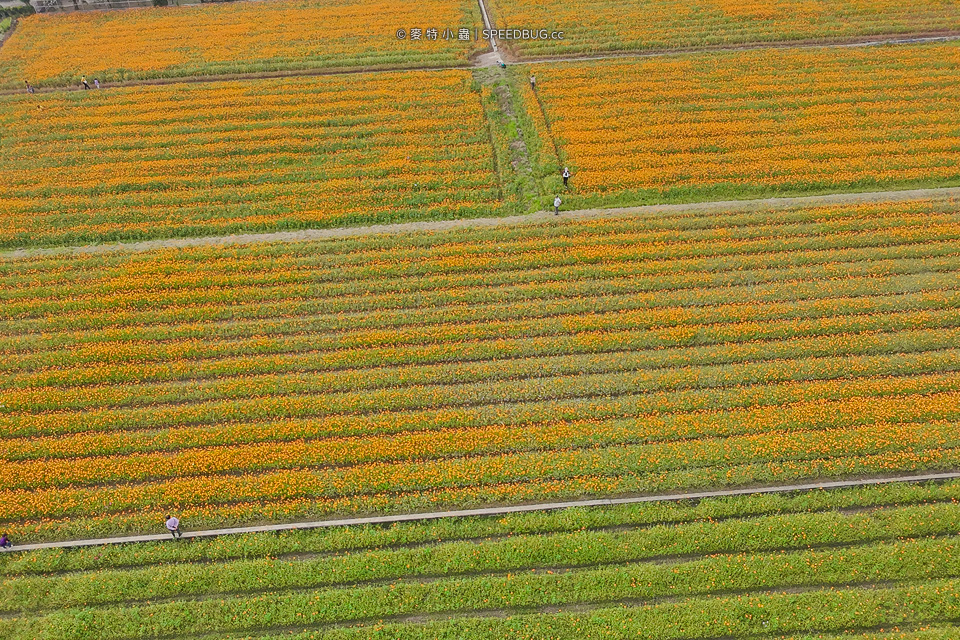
(540,217)
(493,511)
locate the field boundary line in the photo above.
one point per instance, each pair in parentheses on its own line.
(490,511)
(540,217)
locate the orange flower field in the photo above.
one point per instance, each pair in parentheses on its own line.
(606,25)
(306,332)
(749,124)
(243,156)
(550,360)
(241,37)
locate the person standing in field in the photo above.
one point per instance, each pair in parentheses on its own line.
(556,205)
(533,82)
(566,176)
(30,88)
(83,81)
(96,82)
(173,526)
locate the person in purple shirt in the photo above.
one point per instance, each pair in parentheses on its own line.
(5,541)
(173,526)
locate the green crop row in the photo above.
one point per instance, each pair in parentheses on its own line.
(806,615)
(925,559)
(514,554)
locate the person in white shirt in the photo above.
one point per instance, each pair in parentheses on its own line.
(556,205)
(566,176)
(173,525)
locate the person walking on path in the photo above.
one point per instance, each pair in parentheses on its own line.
(30,88)
(83,81)
(96,82)
(5,542)
(173,525)
(533,82)
(566,176)
(556,205)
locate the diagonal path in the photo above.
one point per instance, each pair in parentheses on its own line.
(540,217)
(493,511)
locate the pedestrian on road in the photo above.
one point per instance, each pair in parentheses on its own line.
(96,82)
(533,82)
(5,542)
(502,64)
(566,176)
(556,205)
(30,88)
(83,81)
(173,525)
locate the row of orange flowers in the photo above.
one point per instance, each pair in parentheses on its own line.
(934,442)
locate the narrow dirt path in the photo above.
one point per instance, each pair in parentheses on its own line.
(496,511)
(540,217)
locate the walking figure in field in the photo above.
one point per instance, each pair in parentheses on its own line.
(173,525)
(96,82)
(566,176)
(5,542)
(556,205)
(83,81)
(30,88)
(533,82)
